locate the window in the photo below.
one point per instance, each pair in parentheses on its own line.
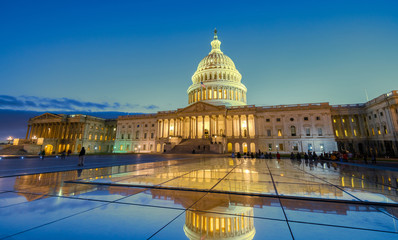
(146,125)
(309,147)
(101,138)
(373,132)
(279,132)
(281,146)
(305,118)
(385,129)
(334,120)
(138,126)
(144,147)
(128,136)
(337,133)
(318,118)
(295,147)
(89,137)
(293,130)
(267,120)
(352,119)
(375,115)
(137,134)
(343,120)
(151,135)
(370,117)
(355,132)
(153,125)
(278,119)
(378,131)
(307,132)
(345,133)
(122,137)
(145,135)
(381,114)
(291,119)
(270,147)
(129,126)
(269,132)
(320,132)
(322,147)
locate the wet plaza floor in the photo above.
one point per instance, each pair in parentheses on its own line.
(202,198)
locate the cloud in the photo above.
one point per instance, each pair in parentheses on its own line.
(150,107)
(64,104)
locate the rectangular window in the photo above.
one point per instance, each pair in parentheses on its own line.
(305,118)
(128,136)
(385,130)
(270,147)
(267,120)
(295,147)
(279,132)
(318,118)
(345,133)
(151,135)
(355,132)
(320,132)
(373,131)
(307,132)
(145,135)
(378,131)
(122,137)
(269,132)
(309,147)
(278,119)
(280,146)
(337,133)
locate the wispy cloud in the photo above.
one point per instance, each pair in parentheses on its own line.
(65,104)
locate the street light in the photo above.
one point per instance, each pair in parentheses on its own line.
(9,139)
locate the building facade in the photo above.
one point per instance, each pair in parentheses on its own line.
(218,120)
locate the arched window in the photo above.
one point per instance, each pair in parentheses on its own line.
(293,130)
(205,76)
(219,76)
(210,76)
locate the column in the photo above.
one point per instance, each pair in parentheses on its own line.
(210,127)
(247,127)
(197,127)
(27,132)
(240,125)
(225,125)
(189,127)
(233,126)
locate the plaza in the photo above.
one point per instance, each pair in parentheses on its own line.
(172,196)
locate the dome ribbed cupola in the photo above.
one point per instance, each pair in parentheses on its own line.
(216,80)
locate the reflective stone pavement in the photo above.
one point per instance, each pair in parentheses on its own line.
(200,198)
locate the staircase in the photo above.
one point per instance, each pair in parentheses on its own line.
(13,150)
(187,145)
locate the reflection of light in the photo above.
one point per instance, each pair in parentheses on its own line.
(247,171)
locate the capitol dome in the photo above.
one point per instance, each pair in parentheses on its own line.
(216,80)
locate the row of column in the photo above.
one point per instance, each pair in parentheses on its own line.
(208,93)
(200,126)
(53,130)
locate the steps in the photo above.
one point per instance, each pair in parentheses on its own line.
(13,150)
(187,145)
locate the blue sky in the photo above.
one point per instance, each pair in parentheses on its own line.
(139,56)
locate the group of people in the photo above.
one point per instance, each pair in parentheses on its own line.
(82,154)
(259,154)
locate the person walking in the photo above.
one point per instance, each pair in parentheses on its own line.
(81,157)
(278,156)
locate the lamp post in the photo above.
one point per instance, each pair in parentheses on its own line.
(9,139)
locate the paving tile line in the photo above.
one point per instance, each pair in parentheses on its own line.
(194,202)
(87,210)
(73,167)
(280,202)
(341,189)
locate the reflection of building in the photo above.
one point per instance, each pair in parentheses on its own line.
(218,120)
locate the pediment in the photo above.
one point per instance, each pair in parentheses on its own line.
(201,107)
(47,116)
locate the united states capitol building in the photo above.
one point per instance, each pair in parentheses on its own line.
(217,119)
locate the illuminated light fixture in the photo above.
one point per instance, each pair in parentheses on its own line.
(171,128)
(34,137)
(244,124)
(21,157)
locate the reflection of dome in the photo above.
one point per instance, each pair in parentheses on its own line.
(216,80)
(233,222)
